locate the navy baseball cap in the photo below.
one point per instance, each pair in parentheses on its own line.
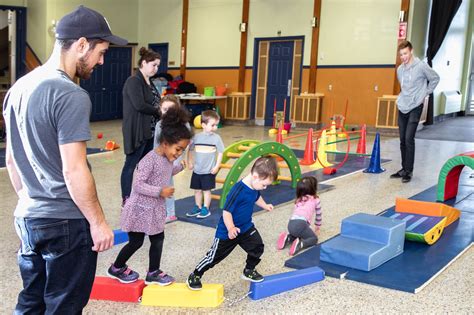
(85,22)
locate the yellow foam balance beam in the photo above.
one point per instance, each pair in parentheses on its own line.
(179,295)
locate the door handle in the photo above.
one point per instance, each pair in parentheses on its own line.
(104,89)
(288,93)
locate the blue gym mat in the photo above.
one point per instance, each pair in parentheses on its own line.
(419,263)
(275,195)
(3,152)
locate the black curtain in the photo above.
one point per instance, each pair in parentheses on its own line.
(442,13)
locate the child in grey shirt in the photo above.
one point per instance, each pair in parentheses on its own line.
(207,149)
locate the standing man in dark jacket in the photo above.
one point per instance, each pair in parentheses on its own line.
(417,80)
(140,106)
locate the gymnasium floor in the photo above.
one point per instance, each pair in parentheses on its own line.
(186,243)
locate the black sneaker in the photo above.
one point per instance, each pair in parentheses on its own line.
(406,178)
(252,275)
(194,282)
(398,174)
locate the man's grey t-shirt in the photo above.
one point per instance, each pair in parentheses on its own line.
(45,109)
(205,147)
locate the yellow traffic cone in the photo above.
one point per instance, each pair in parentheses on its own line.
(332,138)
(322,160)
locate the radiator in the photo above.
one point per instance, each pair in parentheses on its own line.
(450,102)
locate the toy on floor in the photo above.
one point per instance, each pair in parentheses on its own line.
(246,151)
(178,295)
(111,145)
(120,237)
(279,126)
(448,179)
(274,130)
(282,282)
(375,166)
(425,221)
(366,242)
(105,288)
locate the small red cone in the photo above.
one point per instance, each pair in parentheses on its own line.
(308,157)
(361,146)
(111,145)
(279,137)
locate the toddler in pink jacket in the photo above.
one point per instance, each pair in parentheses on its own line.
(307,209)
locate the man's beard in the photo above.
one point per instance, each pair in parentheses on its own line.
(82,69)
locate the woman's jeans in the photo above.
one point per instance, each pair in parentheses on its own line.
(57,265)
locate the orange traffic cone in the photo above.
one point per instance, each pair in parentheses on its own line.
(361,145)
(111,145)
(279,137)
(308,157)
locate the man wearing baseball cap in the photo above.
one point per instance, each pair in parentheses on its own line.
(58,217)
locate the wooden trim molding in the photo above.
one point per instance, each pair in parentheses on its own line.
(184,39)
(243,44)
(314,46)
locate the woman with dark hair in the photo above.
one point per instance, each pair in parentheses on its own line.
(140,110)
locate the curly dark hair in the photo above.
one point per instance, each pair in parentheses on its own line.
(175,126)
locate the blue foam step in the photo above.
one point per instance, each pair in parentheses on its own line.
(369,227)
(120,237)
(366,242)
(282,282)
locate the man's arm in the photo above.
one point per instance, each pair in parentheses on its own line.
(81,187)
(12,171)
(432,77)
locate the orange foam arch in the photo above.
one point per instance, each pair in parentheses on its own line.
(428,208)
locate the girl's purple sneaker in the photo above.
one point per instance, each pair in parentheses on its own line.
(124,274)
(158,277)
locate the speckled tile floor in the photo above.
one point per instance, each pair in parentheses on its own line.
(452,291)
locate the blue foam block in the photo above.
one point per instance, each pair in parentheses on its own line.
(371,227)
(120,237)
(287,281)
(401,273)
(366,242)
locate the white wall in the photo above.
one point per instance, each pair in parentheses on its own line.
(18,3)
(358,32)
(449,60)
(160,22)
(292,18)
(418,22)
(213,33)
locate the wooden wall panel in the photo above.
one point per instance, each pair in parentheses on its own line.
(356,85)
